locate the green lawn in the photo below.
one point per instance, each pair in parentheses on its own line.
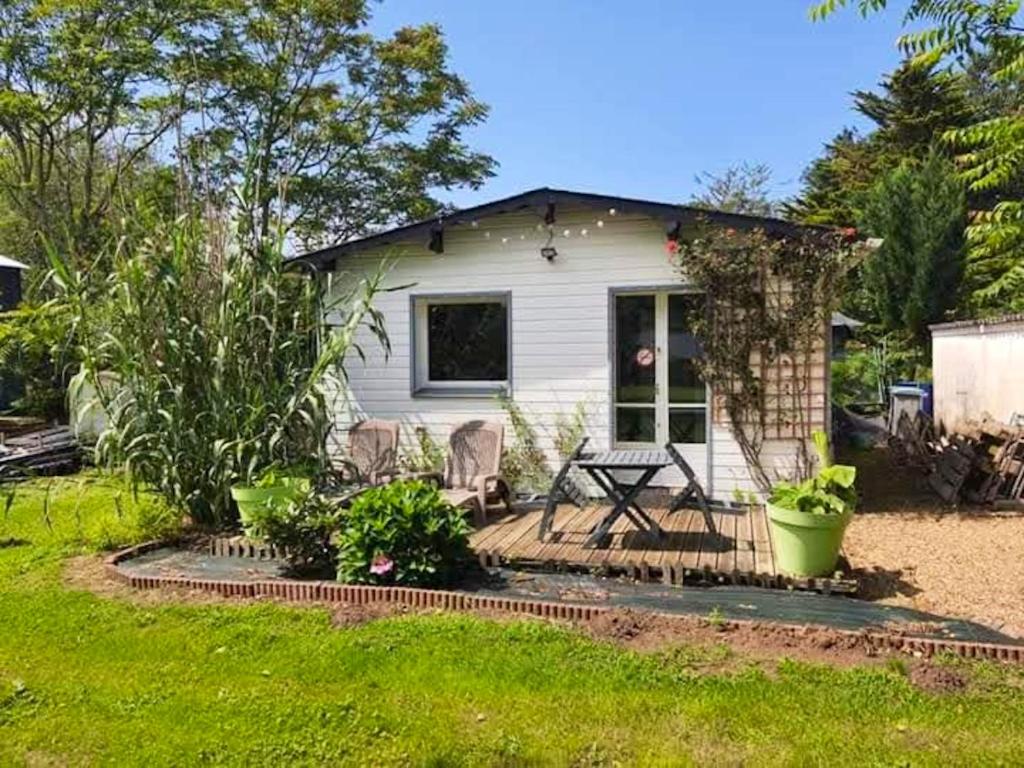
(91,680)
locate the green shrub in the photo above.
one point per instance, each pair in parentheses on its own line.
(403,533)
(303,529)
(857,378)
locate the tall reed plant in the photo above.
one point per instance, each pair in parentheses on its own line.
(211,357)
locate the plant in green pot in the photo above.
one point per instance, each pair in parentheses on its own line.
(808,519)
(275,489)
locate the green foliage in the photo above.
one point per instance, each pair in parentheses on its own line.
(211,340)
(916,105)
(523,463)
(90,512)
(856,378)
(750,280)
(35,346)
(834,184)
(910,113)
(991,148)
(84,97)
(829,492)
(920,212)
(361,127)
(743,188)
(403,533)
(570,429)
(303,529)
(428,456)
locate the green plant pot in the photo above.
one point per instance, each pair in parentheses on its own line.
(806,544)
(251,500)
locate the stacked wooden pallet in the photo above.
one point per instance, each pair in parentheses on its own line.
(979,461)
(50,451)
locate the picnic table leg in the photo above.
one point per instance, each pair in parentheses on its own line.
(623,501)
(634,511)
(548,518)
(692,489)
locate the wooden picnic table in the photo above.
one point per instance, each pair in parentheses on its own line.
(606,468)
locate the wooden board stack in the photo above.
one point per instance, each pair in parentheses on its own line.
(981,461)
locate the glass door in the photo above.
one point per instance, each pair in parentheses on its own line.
(659,394)
(636,388)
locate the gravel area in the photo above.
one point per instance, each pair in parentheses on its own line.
(912,550)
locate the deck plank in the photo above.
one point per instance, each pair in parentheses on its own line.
(744,544)
(686,545)
(763,558)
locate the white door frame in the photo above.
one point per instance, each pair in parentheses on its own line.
(691,451)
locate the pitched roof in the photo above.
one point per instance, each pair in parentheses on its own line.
(539,199)
(8,263)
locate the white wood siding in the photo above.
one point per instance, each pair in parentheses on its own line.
(560,327)
(975,371)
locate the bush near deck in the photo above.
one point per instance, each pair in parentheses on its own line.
(86,679)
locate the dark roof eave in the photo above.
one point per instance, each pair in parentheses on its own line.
(421,230)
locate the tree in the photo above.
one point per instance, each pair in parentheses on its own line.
(991,149)
(836,183)
(913,108)
(913,279)
(741,189)
(84,97)
(362,127)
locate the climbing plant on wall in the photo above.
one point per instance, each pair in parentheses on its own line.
(769,301)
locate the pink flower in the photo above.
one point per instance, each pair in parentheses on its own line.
(849,233)
(381,564)
(672,246)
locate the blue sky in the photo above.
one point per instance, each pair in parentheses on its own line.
(635,98)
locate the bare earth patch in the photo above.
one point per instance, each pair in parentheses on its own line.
(643,631)
(907,548)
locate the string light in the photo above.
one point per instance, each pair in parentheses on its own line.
(474,223)
(566,233)
(612,211)
(584,232)
(600,223)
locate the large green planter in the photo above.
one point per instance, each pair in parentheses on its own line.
(251,500)
(806,544)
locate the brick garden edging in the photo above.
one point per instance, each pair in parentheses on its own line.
(330,592)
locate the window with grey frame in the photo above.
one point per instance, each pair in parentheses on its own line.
(461,343)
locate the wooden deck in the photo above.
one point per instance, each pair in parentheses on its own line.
(743,554)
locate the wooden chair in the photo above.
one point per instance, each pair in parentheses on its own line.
(372,453)
(471,476)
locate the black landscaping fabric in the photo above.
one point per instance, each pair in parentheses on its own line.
(752,603)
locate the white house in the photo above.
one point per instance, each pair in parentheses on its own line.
(557,298)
